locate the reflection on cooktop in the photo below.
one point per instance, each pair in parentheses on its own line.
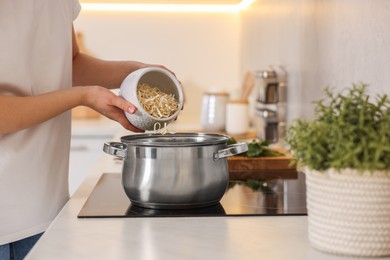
(266,197)
(206,211)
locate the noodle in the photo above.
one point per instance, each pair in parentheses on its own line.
(165,130)
(157,103)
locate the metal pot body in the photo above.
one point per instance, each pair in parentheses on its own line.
(175,170)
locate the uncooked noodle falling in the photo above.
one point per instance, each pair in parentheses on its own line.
(163,130)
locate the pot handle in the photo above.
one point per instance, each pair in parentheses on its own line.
(231,150)
(115,148)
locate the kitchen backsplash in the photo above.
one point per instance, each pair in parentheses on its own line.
(319,42)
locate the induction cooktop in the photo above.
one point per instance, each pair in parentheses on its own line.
(271,195)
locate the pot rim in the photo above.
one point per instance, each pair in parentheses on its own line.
(174,140)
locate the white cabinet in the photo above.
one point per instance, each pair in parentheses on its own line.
(88,138)
(85,151)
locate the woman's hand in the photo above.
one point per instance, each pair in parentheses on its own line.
(110,105)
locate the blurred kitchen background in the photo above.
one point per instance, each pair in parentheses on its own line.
(319,43)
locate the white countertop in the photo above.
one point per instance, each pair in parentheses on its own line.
(282,237)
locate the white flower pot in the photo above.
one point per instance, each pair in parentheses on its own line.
(349,212)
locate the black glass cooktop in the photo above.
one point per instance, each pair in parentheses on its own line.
(272,195)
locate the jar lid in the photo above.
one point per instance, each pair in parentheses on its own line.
(210,93)
(238,101)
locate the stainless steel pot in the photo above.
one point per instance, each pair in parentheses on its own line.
(172,171)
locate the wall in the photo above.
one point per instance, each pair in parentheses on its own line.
(203,49)
(321,43)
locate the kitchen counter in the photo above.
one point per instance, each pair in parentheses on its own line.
(94,127)
(260,237)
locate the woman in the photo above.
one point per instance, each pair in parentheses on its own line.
(38,56)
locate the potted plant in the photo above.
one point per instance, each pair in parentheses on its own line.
(345,154)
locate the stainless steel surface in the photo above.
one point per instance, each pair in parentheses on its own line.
(175,170)
(282,92)
(175,140)
(231,150)
(265,74)
(267,84)
(271,105)
(267,122)
(115,149)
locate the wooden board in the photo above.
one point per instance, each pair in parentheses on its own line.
(263,175)
(240,163)
(241,167)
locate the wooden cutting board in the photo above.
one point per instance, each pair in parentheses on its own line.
(242,167)
(240,163)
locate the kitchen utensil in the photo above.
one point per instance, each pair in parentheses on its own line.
(213,114)
(249,83)
(154,77)
(171,171)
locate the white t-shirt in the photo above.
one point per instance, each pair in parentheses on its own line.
(35,57)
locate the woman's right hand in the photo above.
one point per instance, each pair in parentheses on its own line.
(109,105)
(21,112)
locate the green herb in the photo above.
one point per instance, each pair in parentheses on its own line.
(257,149)
(347,131)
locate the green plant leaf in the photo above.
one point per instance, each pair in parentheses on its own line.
(348,130)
